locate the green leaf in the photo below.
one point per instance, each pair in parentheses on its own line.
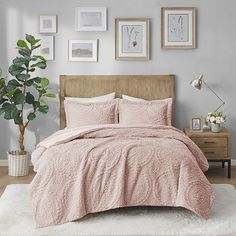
(40,57)
(50,95)
(42,102)
(41,65)
(29,82)
(15,70)
(36,46)
(30,39)
(37,80)
(25,52)
(44,109)
(29,98)
(19,98)
(11,112)
(14,84)
(22,44)
(36,105)
(32,70)
(31,116)
(44,82)
(19,61)
(2,82)
(18,120)
(23,77)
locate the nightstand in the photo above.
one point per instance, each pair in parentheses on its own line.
(215,146)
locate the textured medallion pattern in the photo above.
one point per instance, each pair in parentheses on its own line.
(91,169)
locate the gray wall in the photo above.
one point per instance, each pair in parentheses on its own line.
(215,55)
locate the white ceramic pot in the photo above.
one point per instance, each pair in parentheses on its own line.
(18,164)
(215,128)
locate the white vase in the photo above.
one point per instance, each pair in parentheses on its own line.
(215,128)
(18,164)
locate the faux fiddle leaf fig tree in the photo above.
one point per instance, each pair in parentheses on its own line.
(17,96)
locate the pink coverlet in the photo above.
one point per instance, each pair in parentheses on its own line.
(97,168)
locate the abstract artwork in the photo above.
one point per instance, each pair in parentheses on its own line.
(178,27)
(91,19)
(132,39)
(48,24)
(83,50)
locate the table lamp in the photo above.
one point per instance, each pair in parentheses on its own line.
(197,83)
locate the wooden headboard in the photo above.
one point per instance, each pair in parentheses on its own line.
(149,87)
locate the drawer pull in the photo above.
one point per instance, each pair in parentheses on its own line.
(209,142)
(209,152)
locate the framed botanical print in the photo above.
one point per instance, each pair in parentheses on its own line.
(178,27)
(132,39)
(47,47)
(196,124)
(83,50)
(91,19)
(48,24)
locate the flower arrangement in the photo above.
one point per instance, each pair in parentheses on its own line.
(215,118)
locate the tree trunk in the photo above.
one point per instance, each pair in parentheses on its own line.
(21,138)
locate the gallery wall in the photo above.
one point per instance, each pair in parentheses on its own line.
(215,56)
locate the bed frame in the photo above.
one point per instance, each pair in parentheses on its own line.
(149,87)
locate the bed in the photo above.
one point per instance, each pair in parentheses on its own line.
(89,169)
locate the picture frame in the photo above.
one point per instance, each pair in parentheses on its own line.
(47,24)
(91,19)
(47,47)
(132,39)
(196,124)
(83,50)
(178,27)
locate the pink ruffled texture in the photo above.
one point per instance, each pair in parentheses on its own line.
(156,112)
(96,168)
(98,113)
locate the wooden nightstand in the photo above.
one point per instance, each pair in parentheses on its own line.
(215,146)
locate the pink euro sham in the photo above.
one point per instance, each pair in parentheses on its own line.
(83,114)
(156,112)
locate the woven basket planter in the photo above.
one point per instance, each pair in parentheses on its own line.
(18,164)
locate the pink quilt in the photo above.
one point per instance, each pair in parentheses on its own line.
(97,168)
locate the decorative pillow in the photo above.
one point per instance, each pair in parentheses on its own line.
(145,112)
(82,114)
(104,98)
(168,101)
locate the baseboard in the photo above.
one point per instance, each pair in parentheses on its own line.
(5,163)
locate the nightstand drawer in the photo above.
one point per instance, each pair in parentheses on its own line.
(215,153)
(211,142)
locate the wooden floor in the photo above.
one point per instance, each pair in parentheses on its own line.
(215,175)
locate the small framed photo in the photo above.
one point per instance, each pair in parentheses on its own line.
(132,39)
(83,50)
(91,19)
(47,47)
(48,24)
(178,27)
(196,124)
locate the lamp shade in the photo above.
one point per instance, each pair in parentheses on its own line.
(197,83)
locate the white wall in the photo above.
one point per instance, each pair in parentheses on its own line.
(215,55)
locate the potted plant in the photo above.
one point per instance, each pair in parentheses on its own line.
(22,97)
(215,119)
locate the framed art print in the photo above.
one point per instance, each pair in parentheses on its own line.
(91,19)
(178,27)
(47,47)
(83,50)
(196,124)
(132,39)
(48,24)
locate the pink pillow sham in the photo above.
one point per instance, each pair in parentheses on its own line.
(82,114)
(156,112)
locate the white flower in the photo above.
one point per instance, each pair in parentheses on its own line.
(208,119)
(222,120)
(212,119)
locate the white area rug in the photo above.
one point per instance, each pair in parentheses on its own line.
(16,218)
